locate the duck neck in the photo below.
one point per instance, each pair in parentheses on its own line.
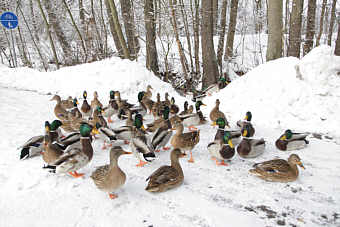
(294,168)
(53,136)
(87,147)
(114,162)
(179,130)
(175,164)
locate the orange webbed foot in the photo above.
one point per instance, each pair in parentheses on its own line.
(75,174)
(113,196)
(141,164)
(158,150)
(166,148)
(192,128)
(222,163)
(109,120)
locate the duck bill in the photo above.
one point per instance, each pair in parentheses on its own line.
(245,132)
(126,152)
(301,165)
(230,143)
(95,131)
(173,129)
(143,128)
(246,118)
(204,104)
(283,137)
(183,155)
(214,123)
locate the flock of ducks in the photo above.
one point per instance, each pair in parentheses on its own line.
(66,153)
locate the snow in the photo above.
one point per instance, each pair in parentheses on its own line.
(211,195)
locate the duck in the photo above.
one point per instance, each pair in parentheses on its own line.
(234,134)
(141,109)
(194,119)
(148,92)
(106,134)
(250,147)
(122,104)
(74,110)
(247,121)
(85,108)
(185,141)
(167,177)
(111,108)
(140,144)
(291,141)
(97,117)
(152,127)
(278,170)
(68,103)
(77,157)
(221,150)
(174,109)
(33,147)
(148,103)
(95,101)
(59,111)
(52,150)
(129,120)
(109,178)
(166,101)
(156,107)
(163,133)
(221,83)
(215,113)
(185,110)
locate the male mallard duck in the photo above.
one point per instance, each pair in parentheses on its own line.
(141,109)
(250,148)
(246,121)
(222,149)
(167,177)
(185,141)
(173,107)
(215,113)
(77,157)
(162,134)
(159,122)
(74,110)
(52,150)
(106,134)
(111,108)
(110,177)
(95,101)
(33,147)
(215,87)
(85,108)
(97,117)
(185,110)
(194,119)
(278,170)
(140,145)
(59,110)
(291,141)
(234,134)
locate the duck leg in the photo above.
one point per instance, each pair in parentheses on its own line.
(191,159)
(109,120)
(113,196)
(104,146)
(75,174)
(222,163)
(192,128)
(141,163)
(166,148)
(158,150)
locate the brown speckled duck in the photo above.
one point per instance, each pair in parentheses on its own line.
(292,141)
(167,177)
(95,101)
(215,113)
(110,177)
(278,170)
(59,110)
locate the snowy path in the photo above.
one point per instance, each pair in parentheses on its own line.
(211,195)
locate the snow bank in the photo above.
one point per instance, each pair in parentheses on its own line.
(280,97)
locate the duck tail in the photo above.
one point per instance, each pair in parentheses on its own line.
(150,155)
(50,168)
(25,152)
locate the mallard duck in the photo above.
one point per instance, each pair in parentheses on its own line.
(162,134)
(106,134)
(74,110)
(33,147)
(129,120)
(174,109)
(249,147)
(291,141)
(122,104)
(68,103)
(221,83)
(167,177)
(97,117)
(215,113)
(110,177)
(148,103)
(156,107)
(85,108)
(159,122)
(148,92)
(59,111)
(185,141)
(222,149)
(278,170)
(111,108)
(247,121)
(234,134)
(141,109)
(77,157)
(185,110)
(194,119)
(95,101)
(52,150)
(166,102)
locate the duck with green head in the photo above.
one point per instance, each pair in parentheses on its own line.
(163,133)
(234,134)
(292,141)
(77,157)
(250,147)
(247,121)
(85,108)
(222,150)
(194,119)
(111,108)
(52,150)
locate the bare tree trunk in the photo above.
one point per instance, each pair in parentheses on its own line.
(285,37)
(196,27)
(104,28)
(231,30)
(34,21)
(337,44)
(215,15)
(210,68)
(99,41)
(113,30)
(331,24)
(295,29)
(82,16)
(259,16)
(324,3)
(310,27)
(222,34)
(49,34)
(150,27)
(274,49)
(184,62)
(23,50)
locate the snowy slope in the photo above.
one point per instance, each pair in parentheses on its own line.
(211,195)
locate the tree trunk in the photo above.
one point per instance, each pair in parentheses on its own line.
(113,30)
(196,28)
(130,30)
(310,27)
(231,30)
(150,27)
(259,16)
(295,29)
(324,3)
(104,28)
(49,34)
(82,16)
(337,44)
(274,46)
(99,41)
(215,15)
(34,21)
(210,68)
(331,24)
(222,33)
(23,49)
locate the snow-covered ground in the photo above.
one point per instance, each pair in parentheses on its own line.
(211,195)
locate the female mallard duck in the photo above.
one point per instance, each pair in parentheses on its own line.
(106,134)
(110,177)
(162,134)
(278,170)
(173,107)
(148,92)
(222,149)
(111,108)
(77,157)
(156,107)
(215,113)
(148,103)
(122,104)
(292,141)
(68,103)
(185,110)
(194,119)
(59,110)
(52,150)
(249,147)
(167,177)
(246,121)
(160,121)
(234,134)
(95,101)
(166,102)
(129,120)
(85,108)
(140,145)
(185,141)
